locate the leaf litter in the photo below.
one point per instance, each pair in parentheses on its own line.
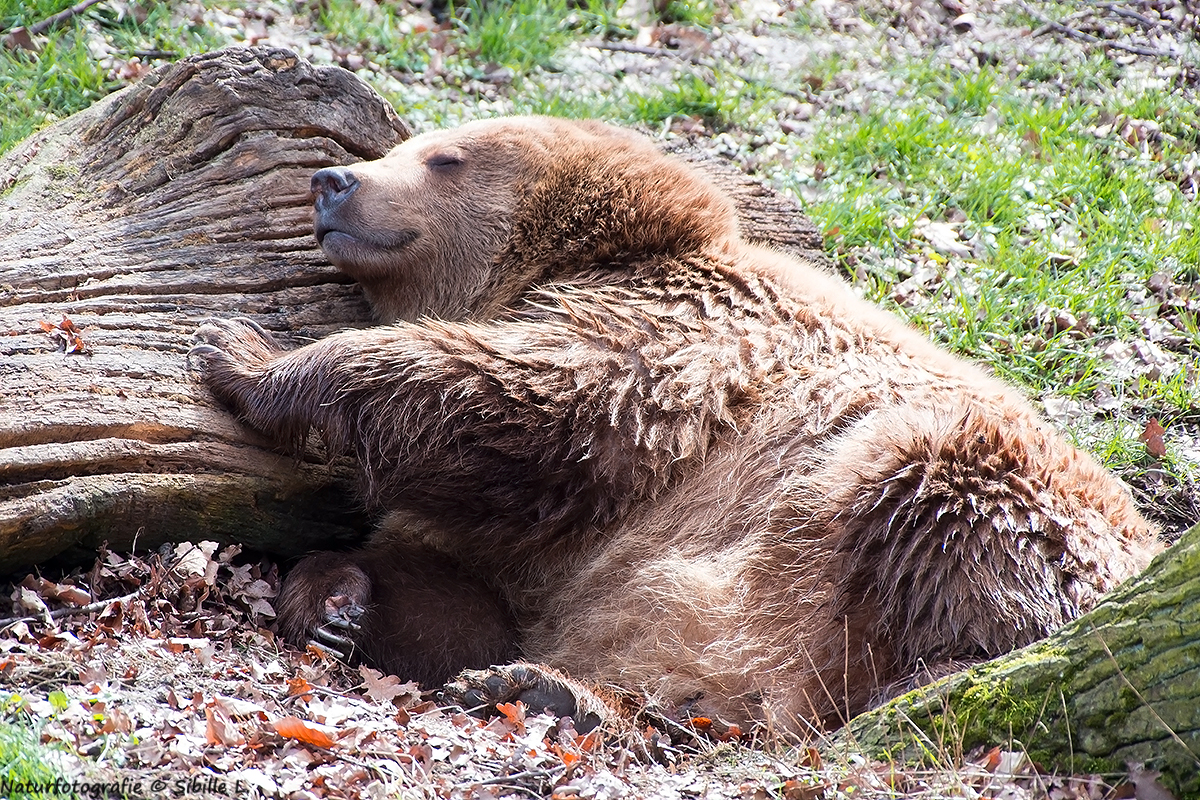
(65,336)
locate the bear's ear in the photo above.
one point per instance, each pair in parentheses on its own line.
(619,200)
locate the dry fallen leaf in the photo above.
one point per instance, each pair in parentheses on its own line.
(220,727)
(568,757)
(514,713)
(589,742)
(66,336)
(1152,436)
(197,559)
(301,731)
(1146,784)
(799,790)
(65,592)
(811,759)
(386,688)
(20,39)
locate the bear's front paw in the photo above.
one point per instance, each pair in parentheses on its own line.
(539,687)
(322,604)
(340,623)
(232,354)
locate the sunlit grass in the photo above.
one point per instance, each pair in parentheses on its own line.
(1060,205)
(67,70)
(24,763)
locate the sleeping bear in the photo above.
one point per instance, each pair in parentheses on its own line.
(608,435)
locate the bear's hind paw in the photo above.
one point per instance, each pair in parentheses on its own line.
(538,687)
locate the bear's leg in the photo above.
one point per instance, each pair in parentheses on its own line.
(538,687)
(969,531)
(408,611)
(951,535)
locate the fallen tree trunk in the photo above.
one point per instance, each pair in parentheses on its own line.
(1117,687)
(180,198)
(184,197)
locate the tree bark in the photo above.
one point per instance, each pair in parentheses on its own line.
(1117,687)
(184,197)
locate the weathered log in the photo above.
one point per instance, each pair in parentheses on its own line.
(179,198)
(184,197)
(1117,687)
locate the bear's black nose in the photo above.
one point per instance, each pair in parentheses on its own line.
(331,186)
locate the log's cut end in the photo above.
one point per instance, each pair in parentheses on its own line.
(128,224)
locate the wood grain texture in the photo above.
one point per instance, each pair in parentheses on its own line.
(183,197)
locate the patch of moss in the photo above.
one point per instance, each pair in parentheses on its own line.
(62,172)
(986,711)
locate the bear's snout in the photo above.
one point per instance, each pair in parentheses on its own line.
(331,186)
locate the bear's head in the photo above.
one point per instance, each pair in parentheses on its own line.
(457,224)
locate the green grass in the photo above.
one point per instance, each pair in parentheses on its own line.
(24,764)
(1062,210)
(1066,209)
(699,13)
(520,35)
(717,103)
(36,90)
(373,29)
(64,73)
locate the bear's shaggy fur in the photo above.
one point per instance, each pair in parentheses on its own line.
(617,439)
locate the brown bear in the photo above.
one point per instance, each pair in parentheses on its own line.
(613,437)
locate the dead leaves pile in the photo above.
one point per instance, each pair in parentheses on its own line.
(176,687)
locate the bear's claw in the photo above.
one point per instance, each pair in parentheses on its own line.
(238,341)
(340,617)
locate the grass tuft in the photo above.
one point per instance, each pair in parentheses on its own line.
(25,767)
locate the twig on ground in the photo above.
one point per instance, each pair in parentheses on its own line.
(41,27)
(626,47)
(516,787)
(1088,38)
(59,613)
(1129,13)
(509,781)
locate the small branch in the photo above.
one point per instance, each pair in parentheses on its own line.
(99,605)
(1128,13)
(625,47)
(508,780)
(38,28)
(1088,38)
